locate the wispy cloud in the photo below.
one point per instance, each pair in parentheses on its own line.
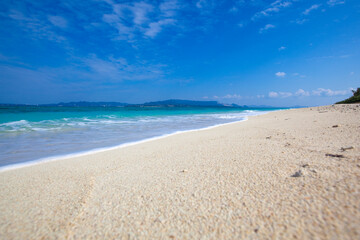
(274,7)
(236,6)
(140,18)
(331,57)
(119,69)
(280,94)
(86,74)
(240,25)
(329,92)
(335,2)
(312,8)
(169,8)
(205,4)
(233,9)
(281,48)
(301,21)
(58,21)
(266,27)
(156,27)
(280,74)
(37,26)
(232,96)
(273,94)
(227,96)
(302,93)
(299,75)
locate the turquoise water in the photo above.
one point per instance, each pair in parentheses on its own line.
(32,133)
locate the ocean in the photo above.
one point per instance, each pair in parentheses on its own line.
(30,134)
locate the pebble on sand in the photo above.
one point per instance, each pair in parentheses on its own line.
(298,174)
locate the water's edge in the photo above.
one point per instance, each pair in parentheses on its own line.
(98,150)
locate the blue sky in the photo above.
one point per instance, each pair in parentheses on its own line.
(271,52)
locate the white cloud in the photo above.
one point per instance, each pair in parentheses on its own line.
(168,8)
(240,25)
(280,94)
(280,74)
(266,27)
(36,27)
(140,11)
(301,21)
(273,94)
(141,18)
(58,21)
(233,96)
(329,92)
(302,93)
(119,69)
(335,2)
(228,96)
(274,7)
(313,7)
(285,94)
(345,56)
(156,27)
(281,48)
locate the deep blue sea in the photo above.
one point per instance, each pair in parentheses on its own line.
(29,133)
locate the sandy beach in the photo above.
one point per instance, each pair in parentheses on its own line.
(292,174)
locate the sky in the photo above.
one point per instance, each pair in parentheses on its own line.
(248,52)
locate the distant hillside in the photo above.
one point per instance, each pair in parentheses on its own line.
(165,103)
(86,104)
(354,99)
(185,103)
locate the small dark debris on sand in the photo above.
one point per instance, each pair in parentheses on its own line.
(335,126)
(305,165)
(334,155)
(269,137)
(298,174)
(346,148)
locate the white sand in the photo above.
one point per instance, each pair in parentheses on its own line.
(229,182)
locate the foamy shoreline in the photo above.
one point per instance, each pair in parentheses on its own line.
(283,175)
(99,150)
(22,144)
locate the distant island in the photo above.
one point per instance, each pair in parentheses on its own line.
(165,103)
(186,103)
